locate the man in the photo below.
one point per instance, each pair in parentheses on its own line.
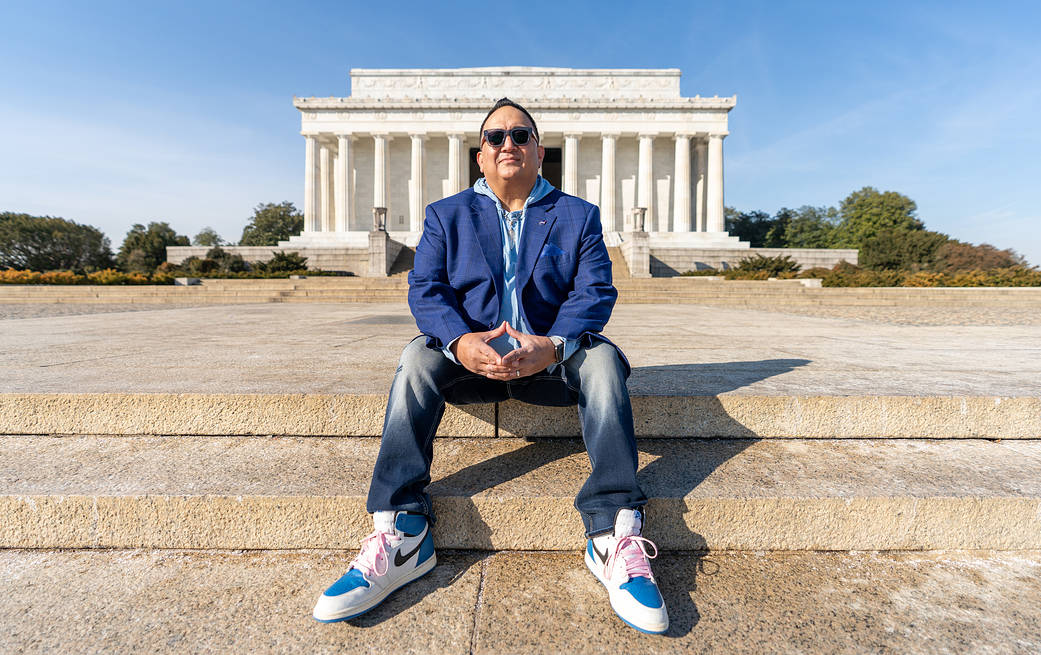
(511,288)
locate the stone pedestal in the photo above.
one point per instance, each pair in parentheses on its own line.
(636,249)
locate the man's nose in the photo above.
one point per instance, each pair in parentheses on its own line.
(507,143)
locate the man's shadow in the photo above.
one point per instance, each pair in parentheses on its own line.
(666,480)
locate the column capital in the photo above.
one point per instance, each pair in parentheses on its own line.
(685,135)
(345,135)
(382,135)
(456,135)
(572,135)
(718,135)
(648,135)
(610,135)
(418,136)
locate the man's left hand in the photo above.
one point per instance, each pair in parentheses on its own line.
(533,354)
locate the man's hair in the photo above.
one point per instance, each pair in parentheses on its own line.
(506,102)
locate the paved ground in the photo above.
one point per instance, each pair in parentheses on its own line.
(353,348)
(517,602)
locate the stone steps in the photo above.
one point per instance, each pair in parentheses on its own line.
(512,494)
(517,602)
(726,415)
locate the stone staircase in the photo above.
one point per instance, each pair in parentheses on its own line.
(684,290)
(178,522)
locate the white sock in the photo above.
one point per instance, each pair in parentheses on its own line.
(384,521)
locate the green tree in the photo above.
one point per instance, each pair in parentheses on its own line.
(272,223)
(777,233)
(47,243)
(903,250)
(144,248)
(750,226)
(867,212)
(208,237)
(812,227)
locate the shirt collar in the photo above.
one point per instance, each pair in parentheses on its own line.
(541,189)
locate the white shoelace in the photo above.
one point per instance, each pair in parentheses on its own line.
(373,552)
(633,555)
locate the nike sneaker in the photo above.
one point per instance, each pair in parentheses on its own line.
(620,562)
(399,550)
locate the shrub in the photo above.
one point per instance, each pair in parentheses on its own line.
(847,275)
(815,272)
(284,262)
(924,279)
(738,274)
(771,265)
(11,276)
(112,276)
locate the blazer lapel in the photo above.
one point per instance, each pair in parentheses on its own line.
(489,236)
(538,221)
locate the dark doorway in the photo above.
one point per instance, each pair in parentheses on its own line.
(552,166)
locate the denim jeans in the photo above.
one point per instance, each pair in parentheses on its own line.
(593,378)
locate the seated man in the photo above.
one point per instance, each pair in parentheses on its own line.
(511,288)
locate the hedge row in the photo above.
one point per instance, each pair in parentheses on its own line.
(851,276)
(112,276)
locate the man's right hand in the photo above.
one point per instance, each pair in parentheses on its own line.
(474,353)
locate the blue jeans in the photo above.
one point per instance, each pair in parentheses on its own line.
(593,378)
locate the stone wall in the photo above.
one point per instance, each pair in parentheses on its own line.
(667,262)
(355,260)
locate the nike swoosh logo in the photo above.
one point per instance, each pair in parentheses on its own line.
(601,556)
(400,559)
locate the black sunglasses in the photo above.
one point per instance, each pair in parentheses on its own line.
(519,136)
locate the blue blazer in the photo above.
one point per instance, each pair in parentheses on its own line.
(563,274)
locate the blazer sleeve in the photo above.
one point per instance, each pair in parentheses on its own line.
(430,297)
(588,305)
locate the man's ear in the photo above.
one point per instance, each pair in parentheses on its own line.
(480,159)
(542,155)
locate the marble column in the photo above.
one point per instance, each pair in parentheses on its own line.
(455,169)
(700,184)
(416,184)
(379,170)
(645,180)
(344,182)
(325,168)
(311,184)
(714,203)
(607,184)
(570,164)
(681,186)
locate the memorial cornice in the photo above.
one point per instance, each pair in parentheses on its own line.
(549,104)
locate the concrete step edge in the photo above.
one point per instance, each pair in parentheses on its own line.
(727,415)
(284,493)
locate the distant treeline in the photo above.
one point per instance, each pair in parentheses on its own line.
(883,225)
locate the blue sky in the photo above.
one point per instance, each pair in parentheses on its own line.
(120,113)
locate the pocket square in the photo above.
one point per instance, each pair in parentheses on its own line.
(551,250)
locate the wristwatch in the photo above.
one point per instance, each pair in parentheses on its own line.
(558,350)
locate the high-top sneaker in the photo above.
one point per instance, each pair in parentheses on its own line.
(621,563)
(399,550)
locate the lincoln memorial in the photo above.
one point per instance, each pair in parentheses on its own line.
(625,140)
(617,138)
